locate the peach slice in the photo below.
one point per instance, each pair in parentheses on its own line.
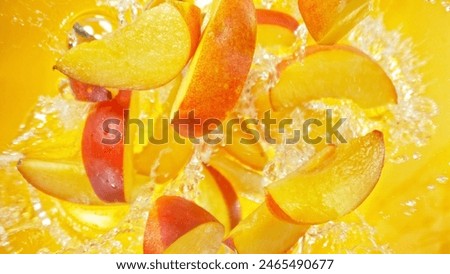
(219,68)
(157,160)
(252,155)
(106,157)
(229,196)
(153,157)
(176,225)
(90,220)
(264,233)
(191,14)
(275,28)
(64,180)
(328,21)
(247,182)
(144,54)
(337,72)
(332,187)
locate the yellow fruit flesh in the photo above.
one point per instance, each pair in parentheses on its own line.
(401,177)
(145,54)
(252,155)
(67,181)
(271,36)
(329,21)
(211,198)
(262,232)
(336,72)
(204,239)
(335,187)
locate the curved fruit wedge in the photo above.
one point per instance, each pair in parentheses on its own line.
(171,222)
(247,182)
(106,157)
(144,54)
(218,197)
(157,160)
(204,239)
(275,28)
(335,186)
(337,72)
(219,68)
(328,21)
(252,155)
(191,14)
(261,232)
(91,220)
(63,180)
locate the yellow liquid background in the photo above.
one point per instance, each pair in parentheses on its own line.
(26,72)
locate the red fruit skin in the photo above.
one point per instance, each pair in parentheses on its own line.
(171,218)
(89,93)
(103,147)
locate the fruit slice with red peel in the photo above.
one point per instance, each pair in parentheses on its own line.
(144,54)
(264,233)
(333,72)
(275,29)
(63,180)
(106,157)
(219,68)
(328,21)
(89,93)
(334,187)
(171,222)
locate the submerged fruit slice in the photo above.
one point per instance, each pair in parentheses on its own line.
(144,54)
(335,186)
(262,232)
(218,69)
(63,180)
(246,148)
(337,72)
(275,29)
(328,21)
(176,225)
(247,182)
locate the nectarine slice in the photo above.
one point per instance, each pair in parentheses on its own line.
(275,29)
(144,54)
(264,233)
(172,219)
(337,72)
(63,180)
(192,15)
(247,182)
(252,155)
(106,157)
(324,192)
(224,195)
(328,21)
(219,68)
